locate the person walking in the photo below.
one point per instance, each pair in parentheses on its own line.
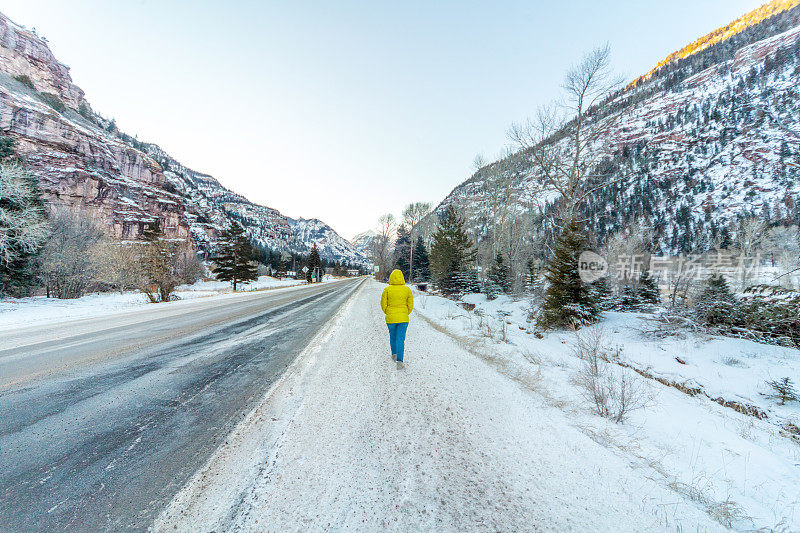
(397,303)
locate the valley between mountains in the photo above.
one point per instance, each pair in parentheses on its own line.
(598,329)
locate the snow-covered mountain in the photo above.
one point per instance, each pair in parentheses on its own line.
(363,242)
(83,162)
(329,243)
(711,134)
(212,206)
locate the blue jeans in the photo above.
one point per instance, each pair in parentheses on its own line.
(397,338)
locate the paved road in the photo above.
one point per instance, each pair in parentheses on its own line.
(103,421)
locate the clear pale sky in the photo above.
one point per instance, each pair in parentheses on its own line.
(344,110)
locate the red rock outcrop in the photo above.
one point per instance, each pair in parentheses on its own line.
(79,165)
(83,164)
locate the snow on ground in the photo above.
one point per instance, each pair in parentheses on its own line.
(18,312)
(744,471)
(346,441)
(202,288)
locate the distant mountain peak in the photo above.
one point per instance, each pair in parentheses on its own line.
(363,234)
(721,34)
(363,242)
(709,139)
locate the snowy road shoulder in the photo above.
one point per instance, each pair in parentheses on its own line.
(215,491)
(346,441)
(34,311)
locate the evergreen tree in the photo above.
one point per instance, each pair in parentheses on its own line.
(23,224)
(456,284)
(716,303)
(568,301)
(628,298)
(452,252)
(422,269)
(156,264)
(490,288)
(234,260)
(284,264)
(152,232)
(500,274)
(280,269)
(402,251)
(274,261)
(531,276)
(602,293)
(472,283)
(647,292)
(314,263)
(8,148)
(783,390)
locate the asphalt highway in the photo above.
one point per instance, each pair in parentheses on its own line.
(102,421)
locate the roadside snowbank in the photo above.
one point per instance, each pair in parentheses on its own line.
(39,310)
(209,288)
(348,442)
(744,471)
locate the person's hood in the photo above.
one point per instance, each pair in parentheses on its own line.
(397,278)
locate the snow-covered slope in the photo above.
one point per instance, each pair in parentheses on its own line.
(363,242)
(704,139)
(84,162)
(693,428)
(313,231)
(212,206)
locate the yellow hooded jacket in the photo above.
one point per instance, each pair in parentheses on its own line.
(397,300)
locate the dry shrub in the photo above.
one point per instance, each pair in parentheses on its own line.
(614,392)
(595,343)
(697,489)
(664,325)
(532,356)
(746,428)
(726,513)
(118,265)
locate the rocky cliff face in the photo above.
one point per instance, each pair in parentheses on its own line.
(705,139)
(84,163)
(210,206)
(80,167)
(25,54)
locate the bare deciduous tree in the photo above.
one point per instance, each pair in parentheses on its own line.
(479,162)
(749,237)
(382,244)
(580,121)
(188,267)
(750,234)
(412,215)
(782,244)
(119,265)
(70,258)
(629,247)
